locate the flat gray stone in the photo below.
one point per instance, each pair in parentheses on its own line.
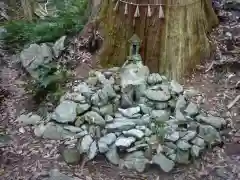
(120,126)
(195,151)
(29,119)
(217,122)
(84,144)
(93,150)
(136,161)
(164,163)
(94,118)
(183,145)
(209,134)
(65,112)
(134,133)
(108,118)
(106,110)
(182,156)
(190,135)
(112,155)
(71,155)
(154,79)
(192,109)
(73,129)
(125,142)
(181,102)
(145,109)
(160,115)
(157,95)
(56,132)
(198,142)
(59,46)
(176,87)
(130,112)
(105,142)
(82,108)
(173,136)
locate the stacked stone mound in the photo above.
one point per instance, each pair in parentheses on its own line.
(149,122)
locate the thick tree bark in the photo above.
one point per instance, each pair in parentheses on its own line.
(173,45)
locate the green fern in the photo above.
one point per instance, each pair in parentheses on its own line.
(71,19)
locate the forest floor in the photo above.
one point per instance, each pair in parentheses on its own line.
(31,158)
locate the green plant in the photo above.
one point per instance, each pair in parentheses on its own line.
(71,19)
(50,83)
(159,130)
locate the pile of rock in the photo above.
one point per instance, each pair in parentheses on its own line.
(134,118)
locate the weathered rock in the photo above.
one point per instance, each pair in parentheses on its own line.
(179,116)
(182,156)
(84,144)
(39,130)
(71,155)
(108,118)
(120,126)
(82,108)
(190,135)
(190,93)
(154,78)
(160,115)
(183,145)
(173,136)
(34,56)
(181,102)
(106,110)
(232,5)
(80,120)
(176,87)
(209,134)
(112,155)
(136,161)
(76,97)
(56,132)
(161,105)
(195,151)
(94,118)
(65,112)
(145,109)
(106,141)
(173,157)
(134,133)
(137,147)
(83,89)
(72,128)
(164,163)
(192,109)
(5,140)
(157,95)
(130,112)
(125,142)
(29,119)
(198,141)
(93,150)
(59,46)
(217,122)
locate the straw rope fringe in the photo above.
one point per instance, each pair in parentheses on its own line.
(159,4)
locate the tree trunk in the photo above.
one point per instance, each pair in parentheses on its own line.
(28,6)
(172,45)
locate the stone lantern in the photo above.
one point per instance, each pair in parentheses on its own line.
(134,55)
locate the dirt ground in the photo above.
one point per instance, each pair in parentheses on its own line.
(31,158)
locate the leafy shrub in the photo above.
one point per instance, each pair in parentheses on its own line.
(50,83)
(71,18)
